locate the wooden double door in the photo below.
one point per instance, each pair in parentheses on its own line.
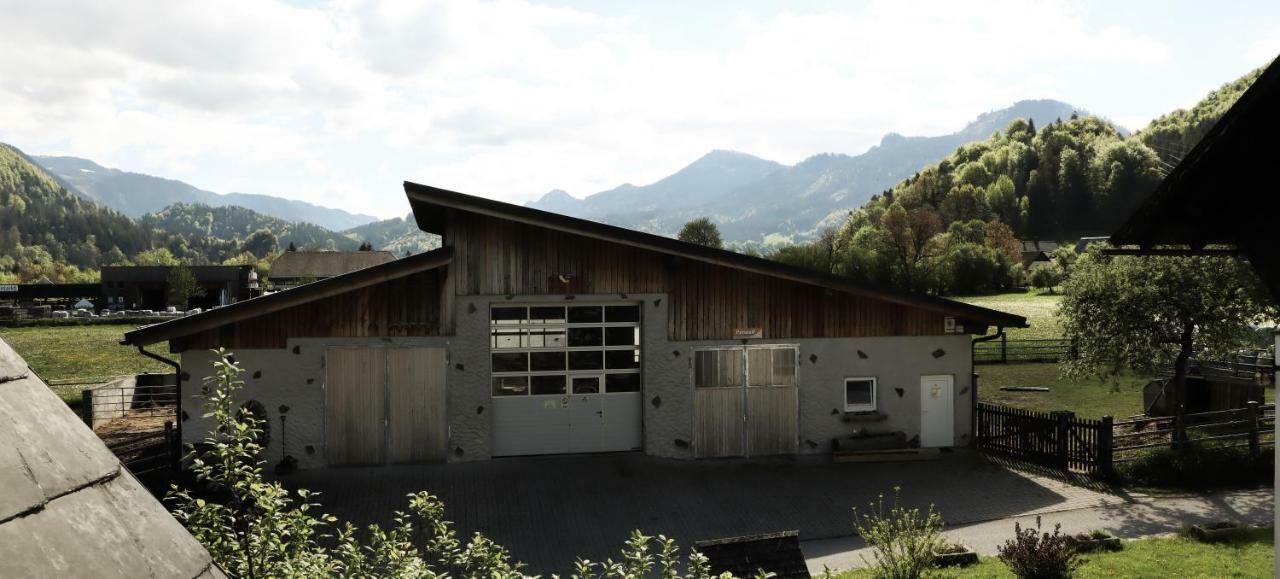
(745,401)
(384,405)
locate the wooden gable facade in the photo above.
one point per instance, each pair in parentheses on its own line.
(403,307)
(495,256)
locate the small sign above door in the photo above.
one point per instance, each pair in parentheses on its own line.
(746,333)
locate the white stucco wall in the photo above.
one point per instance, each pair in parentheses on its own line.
(294,377)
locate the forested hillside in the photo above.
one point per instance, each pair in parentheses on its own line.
(1174,134)
(952,227)
(237,223)
(399,235)
(46,231)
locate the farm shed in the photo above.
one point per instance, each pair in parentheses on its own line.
(529,333)
(138,287)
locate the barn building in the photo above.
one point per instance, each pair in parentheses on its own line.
(298,267)
(532,333)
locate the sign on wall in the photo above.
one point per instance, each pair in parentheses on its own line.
(747,333)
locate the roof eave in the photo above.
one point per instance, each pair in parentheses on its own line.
(302,294)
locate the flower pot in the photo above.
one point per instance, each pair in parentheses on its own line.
(1091,544)
(957,559)
(1214,532)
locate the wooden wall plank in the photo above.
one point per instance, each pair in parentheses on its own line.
(354,405)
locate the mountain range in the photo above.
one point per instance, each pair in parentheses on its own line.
(136,194)
(754,201)
(760,201)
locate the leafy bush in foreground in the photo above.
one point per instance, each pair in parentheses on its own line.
(257,528)
(1033,554)
(904,540)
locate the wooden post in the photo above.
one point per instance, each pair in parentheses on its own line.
(1064,427)
(1106,446)
(1253,428)
(1179,434)
(1004,348)
(86,407)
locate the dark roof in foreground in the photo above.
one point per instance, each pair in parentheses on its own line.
(68,508)
(280,300)
(431,205)
(1223,190)
(322,264)
(777,553)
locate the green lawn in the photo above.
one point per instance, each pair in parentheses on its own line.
(1088,398)
(1151,558)
(1038,308)
(89,353)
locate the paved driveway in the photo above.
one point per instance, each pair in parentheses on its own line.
(550,510)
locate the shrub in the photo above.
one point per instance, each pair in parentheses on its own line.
(254,528)
(903,539)
(1199,466)
(1033,554)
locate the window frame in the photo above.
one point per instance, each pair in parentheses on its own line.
(523,327)
(874,406)
(744,352)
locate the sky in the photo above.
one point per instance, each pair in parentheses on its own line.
(338,102)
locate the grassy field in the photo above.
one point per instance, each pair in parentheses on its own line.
(1088,398)
(80,354)
(1151,558)
(1038,308)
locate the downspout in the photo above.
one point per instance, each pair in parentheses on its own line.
(973,385)
(177,417)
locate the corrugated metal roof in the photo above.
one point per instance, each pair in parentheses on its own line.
(68,508)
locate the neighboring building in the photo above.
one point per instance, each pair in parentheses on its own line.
(1084,242)
(146,287)
(296,267)
(1033,251)
(535,333)
(68,508)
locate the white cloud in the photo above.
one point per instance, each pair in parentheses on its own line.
(339,102)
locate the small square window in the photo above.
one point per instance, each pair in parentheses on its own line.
(860,394)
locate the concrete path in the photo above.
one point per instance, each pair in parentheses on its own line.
(550,510)
(1139,517)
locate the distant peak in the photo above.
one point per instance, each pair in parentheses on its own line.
(892,139)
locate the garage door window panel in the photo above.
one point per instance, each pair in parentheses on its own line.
(553,347)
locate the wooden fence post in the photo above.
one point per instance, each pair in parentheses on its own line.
(1004,348)
(1064,431)
(1106,446)
(1179,434)
(86,407)
(1253,415)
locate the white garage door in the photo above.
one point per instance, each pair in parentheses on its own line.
(565,378)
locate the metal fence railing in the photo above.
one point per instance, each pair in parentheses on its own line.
(1004,351)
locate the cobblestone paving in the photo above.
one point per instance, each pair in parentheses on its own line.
(549,510)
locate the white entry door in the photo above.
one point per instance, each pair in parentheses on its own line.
(937,411)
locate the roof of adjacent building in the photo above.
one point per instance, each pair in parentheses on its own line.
(431,204)
(69,508)
(1029,245)
(1220,193)
(322,264)
(160,273)
(776,553)
(280,300)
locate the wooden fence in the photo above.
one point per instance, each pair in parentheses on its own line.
(1061,440)
(1004,351)
(1052,439)
(1253,426)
